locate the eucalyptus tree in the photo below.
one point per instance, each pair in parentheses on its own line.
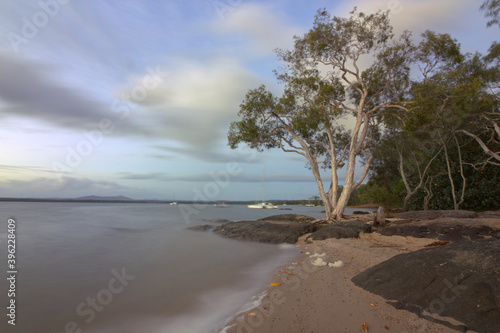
(484,124)
(323,84)
(487,122)
(492,9)
(450,99)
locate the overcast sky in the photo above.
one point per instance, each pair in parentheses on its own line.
(135,98)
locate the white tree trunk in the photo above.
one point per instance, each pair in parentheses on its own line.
(321,189)
(450,176)
(339,208)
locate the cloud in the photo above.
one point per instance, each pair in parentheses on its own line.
(58,187)
(211,176)
(214,155)
(195,103)
(419,15)
(27,90)
(23,168)
(262,23)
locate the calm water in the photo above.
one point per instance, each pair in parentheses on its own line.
(131,267)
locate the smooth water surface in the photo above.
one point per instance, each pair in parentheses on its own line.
(114,267)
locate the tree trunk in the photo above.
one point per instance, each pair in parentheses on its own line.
(338,211)
(357,140)
(422,176)
(409,193)
(379,220)
(450,176)
(429,195)
(406,203)
(317,176)
(464,180)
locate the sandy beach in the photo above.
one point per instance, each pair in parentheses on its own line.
(320,299)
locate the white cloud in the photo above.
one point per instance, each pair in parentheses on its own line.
(58,187)
(262,23)
(279,177)
(29,90)
(195,103)
(419,15)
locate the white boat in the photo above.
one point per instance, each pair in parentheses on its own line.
(263,205)
(173,203)
(220,204)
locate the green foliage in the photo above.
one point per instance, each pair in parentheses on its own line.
(405,122)
(376,193)
(482,192)
(493,54)
(492,8)
(346,36)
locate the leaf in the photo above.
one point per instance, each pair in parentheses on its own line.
(274,284)
(365,327)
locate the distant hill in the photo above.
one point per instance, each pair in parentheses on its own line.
(104,198)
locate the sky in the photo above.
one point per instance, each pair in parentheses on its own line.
(135,98)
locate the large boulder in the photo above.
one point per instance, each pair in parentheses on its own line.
(460,280)
(350,229)
(288,218)
(285,228)
(265,232)
(489,215)
(447,228)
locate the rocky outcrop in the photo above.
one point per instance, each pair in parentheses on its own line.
(285,228)
(489,215)
(265,232)
(350,229)
(218,220)
(288,218)
(360,212)
(447,228)
(460,280)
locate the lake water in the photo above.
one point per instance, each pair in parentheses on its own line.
(128,268)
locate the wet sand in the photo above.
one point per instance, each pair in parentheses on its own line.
(321,299)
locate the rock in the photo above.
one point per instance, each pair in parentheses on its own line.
(338,230)
(265,232)
(285,228)
(288,218)
(219,221)
(205,227)
(434,214)
(460,280)
(360,212)
(489,214)
(452,229)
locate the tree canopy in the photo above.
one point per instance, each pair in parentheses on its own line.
(419,102)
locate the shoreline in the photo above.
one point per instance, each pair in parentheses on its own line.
(320,299)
